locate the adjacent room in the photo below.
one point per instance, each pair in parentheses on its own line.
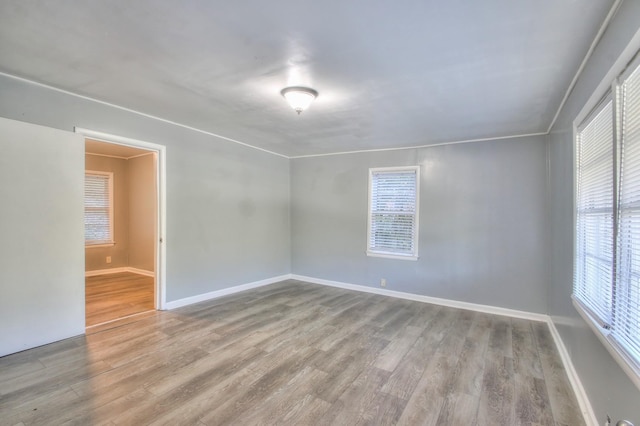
(120,232)
(296,212)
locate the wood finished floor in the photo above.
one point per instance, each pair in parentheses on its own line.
(113,296)
(296,354)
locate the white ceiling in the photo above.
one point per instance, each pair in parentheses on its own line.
(389,73)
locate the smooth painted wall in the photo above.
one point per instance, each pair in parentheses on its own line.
(142,212)
(96,257)
(41,224)
(608,388)
(483,222)
(227,205)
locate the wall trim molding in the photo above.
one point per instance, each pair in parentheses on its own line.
(106,155)
(433,145)
(133,111)
(248,145)
(605,24)
(427,299)
(119,270)
(581,395)
(174,304)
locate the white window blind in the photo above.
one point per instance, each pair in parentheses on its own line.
(626,320)
(98,208)
(393,212)
(593,276)
(607,263)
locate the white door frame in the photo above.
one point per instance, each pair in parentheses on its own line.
(161,209)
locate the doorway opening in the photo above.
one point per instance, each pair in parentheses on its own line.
(124,228)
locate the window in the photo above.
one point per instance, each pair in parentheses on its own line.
(98,208)
(607,262)
(626,321)
(393,212)
(594,213)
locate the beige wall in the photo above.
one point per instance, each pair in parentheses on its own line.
(95,258)
(142,212)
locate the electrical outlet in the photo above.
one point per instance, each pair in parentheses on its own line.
(108,259)
(383,282)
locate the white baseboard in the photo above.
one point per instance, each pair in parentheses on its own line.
(224,292)
(141,271)
(119,270)
(105,271)
(427,299)
(581,395)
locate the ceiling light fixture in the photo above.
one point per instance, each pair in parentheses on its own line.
(299,97)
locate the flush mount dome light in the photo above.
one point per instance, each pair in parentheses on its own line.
(299,97)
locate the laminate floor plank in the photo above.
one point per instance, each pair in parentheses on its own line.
(468,372)
(179,394)
(222,362)
(34,385)
(295,353)
(109,297)
(268,383)
(342,375)
(309,410)
(287,332)
(201,403)
(395,323)
(458,408)
(355,401)
(119,387)
(525,352)
(405,378)
(40,409)
(280,404)
(305,333)
(124,321)
(398,348)
(565,410)
(530,401)
(361,345)
(17,368)
(428,397)
(384,409)
(496,398)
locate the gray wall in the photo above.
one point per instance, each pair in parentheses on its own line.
(41,224)
(227,205)
(96,257)
(609,389)
(483,222)
(142,212)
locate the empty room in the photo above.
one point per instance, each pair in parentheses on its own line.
(320,213)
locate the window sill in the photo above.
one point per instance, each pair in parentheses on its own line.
(627,364)
(392,255)
(87,246)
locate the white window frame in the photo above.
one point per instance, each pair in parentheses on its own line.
(101,243)
(387,254)
(607,88)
